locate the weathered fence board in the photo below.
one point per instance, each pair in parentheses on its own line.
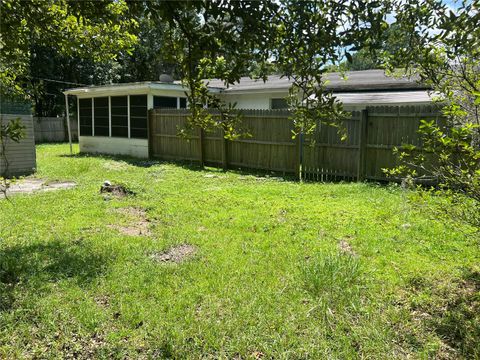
(371,136)
(54,129)
(389,127)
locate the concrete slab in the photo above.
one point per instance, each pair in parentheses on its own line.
(29,186)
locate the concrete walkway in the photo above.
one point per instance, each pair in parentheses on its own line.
(28,186)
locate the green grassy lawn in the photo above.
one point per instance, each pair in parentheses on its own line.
(283,270)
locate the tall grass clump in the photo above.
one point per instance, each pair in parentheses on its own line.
(335,280)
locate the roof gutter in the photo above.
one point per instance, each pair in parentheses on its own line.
(129,88)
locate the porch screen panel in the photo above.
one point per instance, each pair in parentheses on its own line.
(100,113)
(138,116)
(85,112)
(119,116)
(164,102)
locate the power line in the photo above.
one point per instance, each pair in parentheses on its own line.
(56,81)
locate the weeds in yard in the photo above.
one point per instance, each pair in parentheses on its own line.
(335,280)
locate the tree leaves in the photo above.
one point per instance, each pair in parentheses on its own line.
(93,30)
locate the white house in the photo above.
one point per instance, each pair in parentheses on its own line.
(358,90)
(112,119)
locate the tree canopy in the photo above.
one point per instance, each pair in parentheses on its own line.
(95,30)
(80,42)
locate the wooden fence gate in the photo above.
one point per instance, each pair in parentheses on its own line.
(372,135)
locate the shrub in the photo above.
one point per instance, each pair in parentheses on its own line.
(451,156)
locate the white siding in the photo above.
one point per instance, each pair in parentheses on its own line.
(351,101)
(255,101)
(114,146)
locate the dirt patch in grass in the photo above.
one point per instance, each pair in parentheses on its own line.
(83,347)
(346,248)
(115,190)
(176,254)
(133,212)
(282,216)
(102,301)
(138,223)
(137,229)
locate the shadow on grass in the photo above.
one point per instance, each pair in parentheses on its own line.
(451,311)
(144,163)
(191,165)
(459,320)
(36,266)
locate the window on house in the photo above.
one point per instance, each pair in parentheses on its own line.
(164,102)
(183,103)
(100,115)
(119,116)
(278,103)
(138,116)
(85,114)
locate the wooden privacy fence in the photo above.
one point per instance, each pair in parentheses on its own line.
(54,129)
(371,136)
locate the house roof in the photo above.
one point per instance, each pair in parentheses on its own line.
(366,80)
(386,97)
(137,87)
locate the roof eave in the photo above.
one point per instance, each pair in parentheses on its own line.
(130,88)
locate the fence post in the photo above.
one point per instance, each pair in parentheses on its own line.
(224,151)
(200,146)
(362,145)
(299,148)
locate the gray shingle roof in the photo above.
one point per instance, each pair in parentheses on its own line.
(399,97)
(356,81)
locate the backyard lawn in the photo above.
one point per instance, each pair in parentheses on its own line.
(211,264)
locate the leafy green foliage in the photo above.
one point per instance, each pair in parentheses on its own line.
(95,30)
(213,39)
(360,60)
(448,60)
(13,130)
(149,57)
(443,49)
(53,72)
(310,36)
(449,157)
